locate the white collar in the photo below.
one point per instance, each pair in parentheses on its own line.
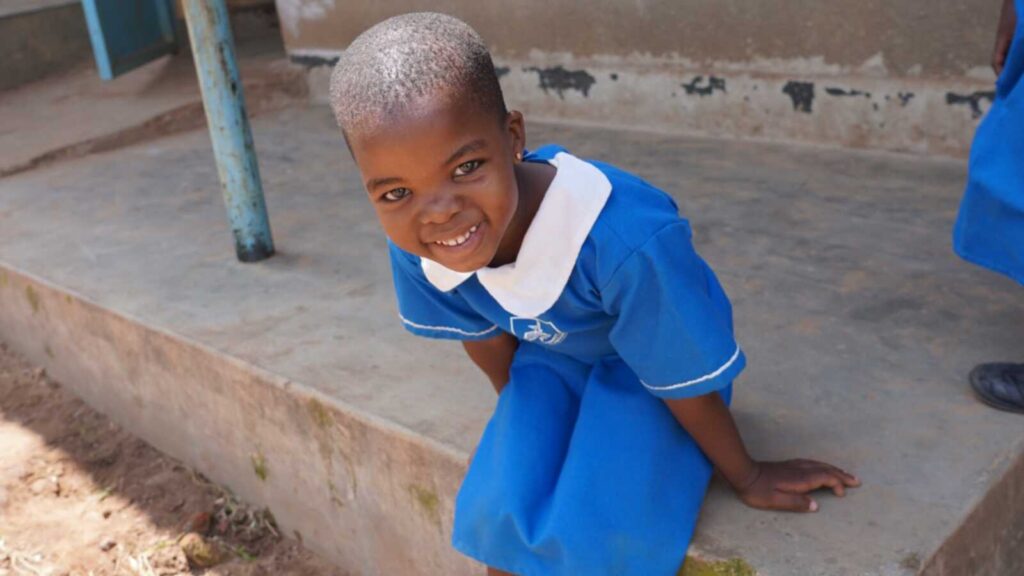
(532,284)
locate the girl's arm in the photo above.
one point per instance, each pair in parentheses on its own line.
(768,485)
(1004,35)
(493,356)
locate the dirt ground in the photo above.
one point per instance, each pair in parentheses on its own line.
(79,496)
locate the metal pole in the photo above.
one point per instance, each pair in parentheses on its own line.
(213,49)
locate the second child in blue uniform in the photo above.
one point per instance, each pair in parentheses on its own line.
(990,227)
(574,286)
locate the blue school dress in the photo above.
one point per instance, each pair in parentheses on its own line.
(990,227)
(582,469)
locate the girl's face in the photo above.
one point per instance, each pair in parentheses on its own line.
(442,179)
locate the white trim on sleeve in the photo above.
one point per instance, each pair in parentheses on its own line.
(703,378)
(447,328)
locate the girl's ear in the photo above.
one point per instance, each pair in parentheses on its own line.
(515,127)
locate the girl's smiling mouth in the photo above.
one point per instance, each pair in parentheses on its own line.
(460,239)
(456,251)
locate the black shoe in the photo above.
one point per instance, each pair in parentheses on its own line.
(1000,385)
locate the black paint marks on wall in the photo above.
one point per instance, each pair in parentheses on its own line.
(310,61)
(695,86)
(802,95)
(501,71)
(840,92)
(904,98)
(560,80)
(973,100)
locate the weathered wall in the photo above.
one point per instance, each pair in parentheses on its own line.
(907,75)
(37,40)
(910,37)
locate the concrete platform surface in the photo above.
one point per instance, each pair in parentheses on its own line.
(76,113)
(859,323)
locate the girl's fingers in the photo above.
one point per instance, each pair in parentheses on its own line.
(811,481)
(807,463)
(837,485)
(847,478)
(794,502)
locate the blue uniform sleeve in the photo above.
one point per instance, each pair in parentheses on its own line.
(427,311)
(673,323)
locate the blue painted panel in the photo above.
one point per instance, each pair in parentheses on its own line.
(126,34)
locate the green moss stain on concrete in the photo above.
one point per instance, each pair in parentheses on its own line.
(49,351)
(331,439)
(3,279)
(320,414)
(694,566)
(335,495)
(33,298)
(427,500)
(911,561)
(259,466)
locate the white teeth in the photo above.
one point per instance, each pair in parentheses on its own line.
(458,240)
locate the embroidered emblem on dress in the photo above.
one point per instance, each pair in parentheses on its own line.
(536,330)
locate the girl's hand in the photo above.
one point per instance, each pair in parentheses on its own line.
(784,485)
(768,485)
(1004,36)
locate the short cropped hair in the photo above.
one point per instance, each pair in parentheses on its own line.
(407,58)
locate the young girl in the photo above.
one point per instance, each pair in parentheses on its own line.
(574,287)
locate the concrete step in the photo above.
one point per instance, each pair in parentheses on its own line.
(75,114)
(41,38)
(69,112)
(292,381)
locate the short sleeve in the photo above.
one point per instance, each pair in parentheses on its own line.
(427,311)
(673,324)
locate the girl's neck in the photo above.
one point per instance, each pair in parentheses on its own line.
(533,180)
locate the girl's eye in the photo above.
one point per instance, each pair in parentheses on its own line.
(396,194)
(467,168)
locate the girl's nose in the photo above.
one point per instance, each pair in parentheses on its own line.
(440,207)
